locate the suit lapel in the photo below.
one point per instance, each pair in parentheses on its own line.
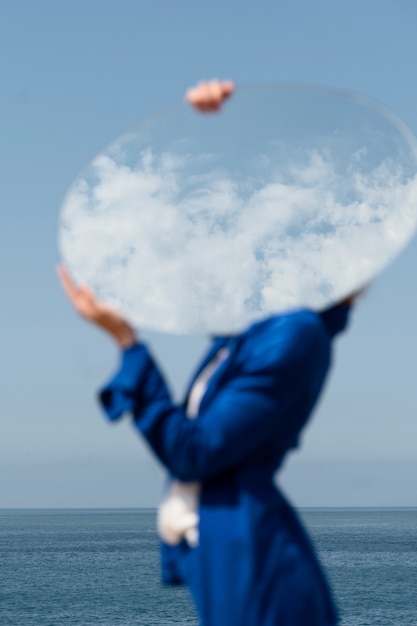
(220,342)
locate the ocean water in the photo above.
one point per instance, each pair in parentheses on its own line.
(101,568)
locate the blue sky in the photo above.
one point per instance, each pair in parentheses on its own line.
(76,75)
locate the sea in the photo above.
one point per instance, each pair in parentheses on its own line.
(101,567)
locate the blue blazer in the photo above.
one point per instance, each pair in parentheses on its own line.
(254,565)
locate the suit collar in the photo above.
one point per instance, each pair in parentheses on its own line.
(335,319)
(218,343)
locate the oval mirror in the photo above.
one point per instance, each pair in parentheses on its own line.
(292,196)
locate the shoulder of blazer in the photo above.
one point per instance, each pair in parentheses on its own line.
(286,338)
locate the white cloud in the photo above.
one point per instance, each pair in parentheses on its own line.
(184,252)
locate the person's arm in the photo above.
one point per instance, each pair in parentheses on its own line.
(251,407)
(248,410)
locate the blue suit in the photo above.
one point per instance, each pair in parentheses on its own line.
(254,565)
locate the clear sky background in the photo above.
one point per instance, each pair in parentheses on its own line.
(73,77)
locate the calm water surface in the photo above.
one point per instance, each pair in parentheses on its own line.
(101,568)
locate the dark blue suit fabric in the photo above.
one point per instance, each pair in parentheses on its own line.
(254,565)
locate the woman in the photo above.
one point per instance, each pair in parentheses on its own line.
(227,531)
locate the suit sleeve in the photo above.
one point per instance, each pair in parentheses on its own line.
(247,410)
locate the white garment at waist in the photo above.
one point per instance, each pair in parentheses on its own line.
(178,513)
